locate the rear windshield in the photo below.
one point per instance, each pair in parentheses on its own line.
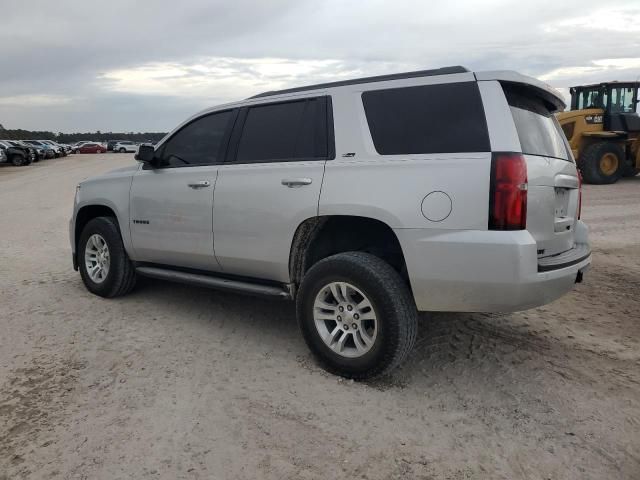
(538,129)
(444,118)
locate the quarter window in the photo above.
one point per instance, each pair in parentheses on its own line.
(443,118)
(284,132)
(199,142)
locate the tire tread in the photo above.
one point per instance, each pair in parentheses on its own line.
(590,163)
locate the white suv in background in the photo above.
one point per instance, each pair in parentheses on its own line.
(125,146)
(364,201)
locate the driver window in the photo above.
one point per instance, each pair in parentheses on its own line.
(197,143)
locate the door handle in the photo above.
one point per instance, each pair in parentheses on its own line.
(296,182)
(200,184)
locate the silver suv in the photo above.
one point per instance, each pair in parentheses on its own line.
(365,201)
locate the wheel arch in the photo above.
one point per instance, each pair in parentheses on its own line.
(320,237)
(84,215)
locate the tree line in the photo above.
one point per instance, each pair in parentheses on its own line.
(98,136)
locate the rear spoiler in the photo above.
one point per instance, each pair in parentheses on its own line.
(546,92)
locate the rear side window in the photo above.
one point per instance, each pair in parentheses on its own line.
(443,118)
(538,129)
(284,132)
(199,142)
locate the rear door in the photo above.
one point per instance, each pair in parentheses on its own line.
(553,185)
(171,207)
(270,185)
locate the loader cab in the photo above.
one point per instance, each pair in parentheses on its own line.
(618,100)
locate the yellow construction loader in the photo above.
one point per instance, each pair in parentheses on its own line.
(603,129)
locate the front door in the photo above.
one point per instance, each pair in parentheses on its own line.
(171,206)
(171,216)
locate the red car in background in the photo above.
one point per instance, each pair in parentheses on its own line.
(91,148)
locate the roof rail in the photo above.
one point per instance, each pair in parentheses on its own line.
(378,78)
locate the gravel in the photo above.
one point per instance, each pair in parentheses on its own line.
(179,382)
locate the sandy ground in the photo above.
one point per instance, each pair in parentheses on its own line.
(182,382)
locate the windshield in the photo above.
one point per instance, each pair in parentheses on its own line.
(593,98)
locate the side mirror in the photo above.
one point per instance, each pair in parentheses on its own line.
(146,153)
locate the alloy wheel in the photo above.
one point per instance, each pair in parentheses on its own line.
(96,258)
(345,319)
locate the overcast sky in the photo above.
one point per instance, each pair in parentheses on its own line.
(124,65)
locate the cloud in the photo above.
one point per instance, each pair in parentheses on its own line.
(147,65)
(31,101)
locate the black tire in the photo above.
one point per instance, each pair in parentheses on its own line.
(123,150)
(590,163)
(121,278)
(18,160)
(392,302)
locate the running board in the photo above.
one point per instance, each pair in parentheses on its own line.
(215,282)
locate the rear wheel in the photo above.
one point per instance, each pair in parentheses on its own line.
(602,163)
(104,265)
(357,315)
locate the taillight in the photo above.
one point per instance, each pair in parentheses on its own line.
(579,194)
(508,192)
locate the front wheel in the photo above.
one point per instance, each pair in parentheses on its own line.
(18,160)
(602,163)
(123,150)
(357,315)
(104,265)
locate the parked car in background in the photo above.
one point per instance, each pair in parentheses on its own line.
(91,147)
(112,143)
(17,156)
(60,150)
(67,148)
(125,146)
(76,145)
(365,201)
(3,156)
(34,152)
(49,151)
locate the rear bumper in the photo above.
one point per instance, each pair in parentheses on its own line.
(487,271)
